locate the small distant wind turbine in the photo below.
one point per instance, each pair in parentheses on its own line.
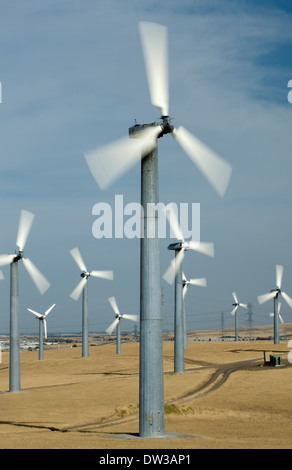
(274,294)
(116,322)
(82,287)
(25,223)
(174,272)
(234,312)
(42,328)
(193,282)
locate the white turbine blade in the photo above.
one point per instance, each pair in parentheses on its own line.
(171,271)
(35,313)
(185,289)
(281,319)
(6,259)
(112,326)
(111,161)
(235,297)
(114,305)
(173,222)
(199,282)
(265,297)
(75,253)
(40,281)
(271,314)
(75,294)
(234,310)
(205,248)
(287,298)
(279,275)
(155,49)
(131,317)
(49,310)
(103,274)
(1,276)
(25,222)
(216,170)
(45,328)
(243,305)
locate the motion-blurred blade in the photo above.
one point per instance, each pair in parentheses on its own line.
(199,282)
(35,313)
(112,326)
(155,49)
(49,310)
(40,281)
(281,319)
(205,248)
(103,274)
(6,259)
(75,253)
(173,222)
(265,297)
(235,297)
(287,298)
(243,305)
(171,271)
(234,310)
(216,170)
(111,161)
(75,294)
(114,305)
(279,275)
(131,317)
(25,223)
(185,289)
(45,328)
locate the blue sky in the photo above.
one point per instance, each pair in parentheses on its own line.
(73,78)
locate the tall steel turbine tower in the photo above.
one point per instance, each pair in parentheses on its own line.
(42,328)
(82,287)
(25,223)
(274,294)
(116,323)
(107,164)
(236,305)
(174,274)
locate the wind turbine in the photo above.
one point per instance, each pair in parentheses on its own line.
(110,162)
(280,317)
(193,282)
(42,328)
(236,305)
(274,294)
(174,273)
(82,287)
(116,323)
(25,223)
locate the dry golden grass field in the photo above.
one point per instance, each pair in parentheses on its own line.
(226,399)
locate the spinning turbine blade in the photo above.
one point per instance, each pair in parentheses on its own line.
(279,275)
(131,317)
(243,305)
(49,310)
(75,294)
(265,297)
(202,247)
(40,281)
(234,310)
(6,259)
(114,305)
(103,274)
(199,282)
(112,326)
(78,259)
(216,170)
(154,43)
(173,222)
(111,161)
(235,297)
(287,298)
(171,271)
(25,223)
